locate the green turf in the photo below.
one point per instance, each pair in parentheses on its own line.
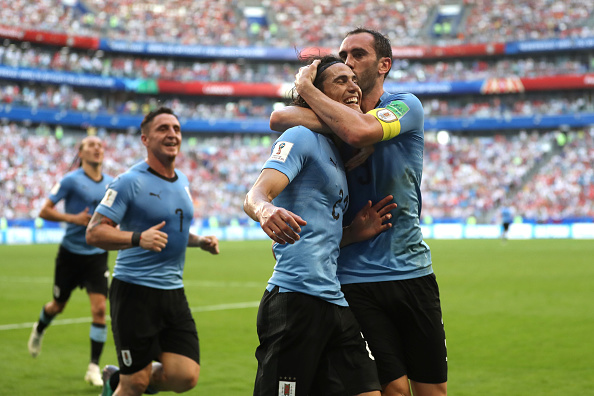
(519,318)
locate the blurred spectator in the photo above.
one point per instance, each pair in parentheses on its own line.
(299,22)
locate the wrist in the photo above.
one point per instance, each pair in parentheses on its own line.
(136,237)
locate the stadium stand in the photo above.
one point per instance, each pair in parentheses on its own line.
(505,104)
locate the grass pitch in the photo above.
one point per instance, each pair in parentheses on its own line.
(519,318)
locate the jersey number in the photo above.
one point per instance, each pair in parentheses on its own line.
(181,218)
(335,213)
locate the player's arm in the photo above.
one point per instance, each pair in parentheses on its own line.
(104,233)
(281,225)
(50,213)
(290,116)
(207,243)
(369,221)
(357,129)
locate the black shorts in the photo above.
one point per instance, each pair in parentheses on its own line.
(146,322)
(402,323)
(79,270)
(310,347)
(506,226)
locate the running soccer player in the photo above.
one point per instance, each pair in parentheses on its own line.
(151,318)
(78,264)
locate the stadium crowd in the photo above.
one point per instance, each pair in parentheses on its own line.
(66,97)
(469,176)
(220,169)
(25,55)
(564,188)
(299,23)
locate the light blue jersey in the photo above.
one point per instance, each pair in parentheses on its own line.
(394,168)
(317,192)
(507,215)
(79,191)
(139,199)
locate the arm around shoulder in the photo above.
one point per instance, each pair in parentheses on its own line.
(290,116)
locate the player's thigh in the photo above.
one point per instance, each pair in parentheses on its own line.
(349,357)
(181,372)
(178,334)
(293,330)
(136,321)
(66,275)
(425,349)
(95,277)
(422,389)
(379,328)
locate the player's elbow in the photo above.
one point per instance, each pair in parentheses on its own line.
(278,122)
(44,214)
(246,205)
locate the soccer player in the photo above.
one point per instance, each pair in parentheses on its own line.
(305,327)
(151,318)
(77,263)
(388,280)
(507,217)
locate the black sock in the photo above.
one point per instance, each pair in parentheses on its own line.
(98,335)
(96,350)
(44,320)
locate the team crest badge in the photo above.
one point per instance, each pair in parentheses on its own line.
(386,115)
(286,388)
(127,357)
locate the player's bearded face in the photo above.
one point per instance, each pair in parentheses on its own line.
(359,54)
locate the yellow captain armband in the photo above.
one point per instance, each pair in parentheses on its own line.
(389,121)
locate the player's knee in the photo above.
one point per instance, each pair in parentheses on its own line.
(99,310)
(55,307)
(185,383)
(399,387)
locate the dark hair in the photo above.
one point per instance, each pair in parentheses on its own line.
(150,116)
(381,44)
(325,62)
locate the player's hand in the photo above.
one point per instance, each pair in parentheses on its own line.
(154,239)
(82,218)
(306,75)
(359,158)
(372,219)
(281,225)
(210,244)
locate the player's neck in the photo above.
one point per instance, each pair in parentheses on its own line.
(93,170)
(165,166)
(371,98)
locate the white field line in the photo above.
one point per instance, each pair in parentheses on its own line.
(207,308)
(198,283)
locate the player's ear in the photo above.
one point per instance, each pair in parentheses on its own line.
(143,138)
(384,65)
